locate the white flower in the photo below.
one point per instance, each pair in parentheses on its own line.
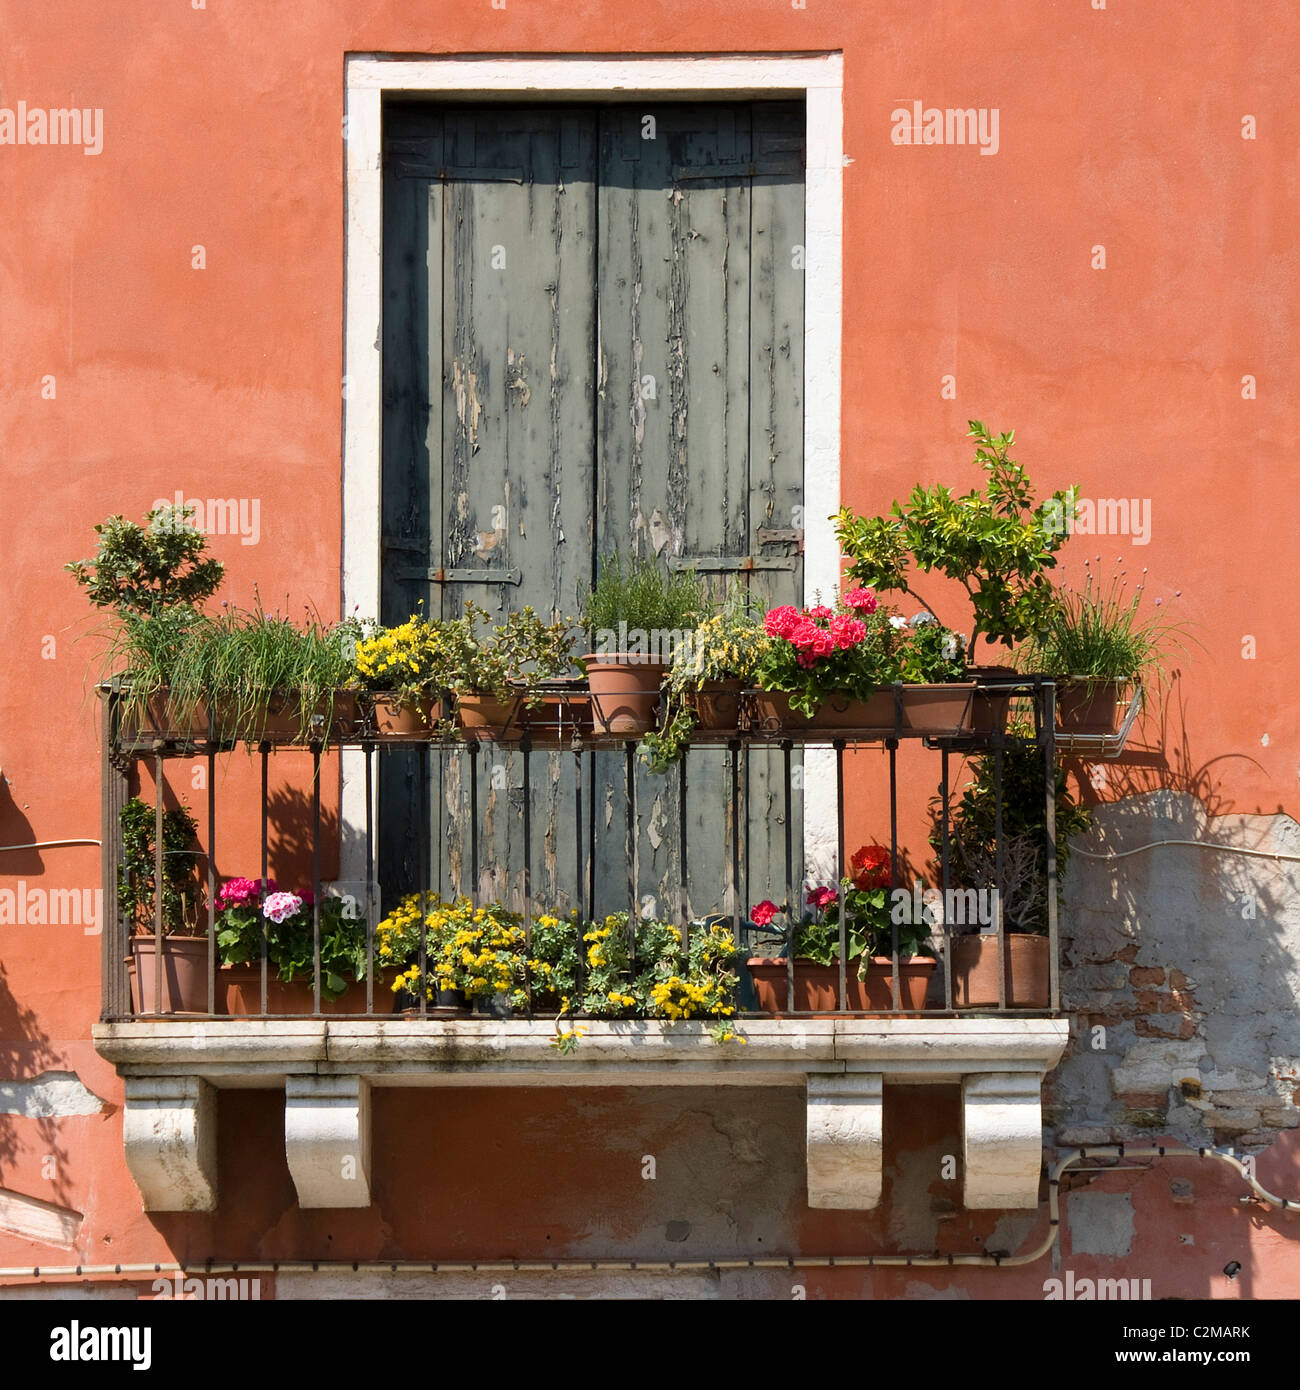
(897,622)
(923,619)
(949,648)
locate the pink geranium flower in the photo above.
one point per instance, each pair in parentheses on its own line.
(821,898)
(280,906)
(242,892)
(763,913)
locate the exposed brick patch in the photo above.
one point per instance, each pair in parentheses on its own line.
(1144,1028)
(1147,975)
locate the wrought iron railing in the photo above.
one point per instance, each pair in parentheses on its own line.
(125,750)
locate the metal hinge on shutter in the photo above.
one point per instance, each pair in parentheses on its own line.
(745,563)
(458,576)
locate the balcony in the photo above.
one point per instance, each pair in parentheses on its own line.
(841,1039)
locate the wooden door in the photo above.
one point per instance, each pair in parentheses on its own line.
(592,342)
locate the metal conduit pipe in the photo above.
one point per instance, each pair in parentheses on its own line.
(1074,1156)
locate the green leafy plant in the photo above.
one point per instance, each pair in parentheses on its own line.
(137,877)
(246,908)
(638,597)
(864,897)
(148,569)
(1094,635)
(471,655)
(852,650)
(729,645)
(973,841)
(998,544)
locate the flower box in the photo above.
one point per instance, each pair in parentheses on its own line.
(816,987)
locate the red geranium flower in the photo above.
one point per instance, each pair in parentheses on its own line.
(860,598)
(763,913)
(779,621)
(821,898)
(870,867)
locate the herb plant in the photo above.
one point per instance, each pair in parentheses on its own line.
(637,596)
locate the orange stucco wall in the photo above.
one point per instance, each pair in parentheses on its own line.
(126,374)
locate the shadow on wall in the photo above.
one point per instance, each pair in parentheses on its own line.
(16,829)
(1180,962)
(25,1051)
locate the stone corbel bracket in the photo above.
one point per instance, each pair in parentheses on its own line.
(327,1139)
(846,1140)
(169,1131)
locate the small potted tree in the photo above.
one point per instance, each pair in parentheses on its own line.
(997,543)
(153,580)
(1022,899)
(636,615)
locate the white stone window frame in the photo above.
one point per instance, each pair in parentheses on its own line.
(817,79)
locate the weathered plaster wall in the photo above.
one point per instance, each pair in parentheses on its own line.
(1182,972)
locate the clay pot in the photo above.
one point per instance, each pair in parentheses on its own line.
(1084,707)
(939,710)
(486,718)
(160,719)
(393,720)
(184,975)
(989,710)
(1026,959)
(624,692)
(717,706)
(282,721)
(560,715)
(773,715)
(239,994)
(816,987)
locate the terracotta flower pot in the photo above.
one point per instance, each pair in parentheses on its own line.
(1027,961)
(484,717)
(239,994)
(816,987)
(939,710)
(184,975)
(161,718)
(773,715)
(717,706)
(394,720)
(1088,708)
(989,709)
(624,692)
(558,717)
